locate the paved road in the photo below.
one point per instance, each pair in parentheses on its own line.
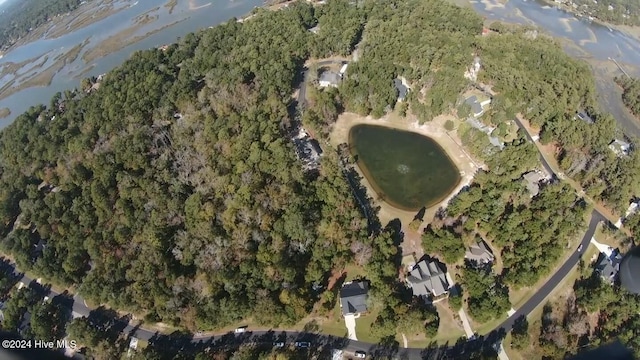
(560,274)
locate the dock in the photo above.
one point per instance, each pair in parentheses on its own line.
(619,66)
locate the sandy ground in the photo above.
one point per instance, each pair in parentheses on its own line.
(435,130)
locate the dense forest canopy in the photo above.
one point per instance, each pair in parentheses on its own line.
(20,17)
(630,93)
(158,213)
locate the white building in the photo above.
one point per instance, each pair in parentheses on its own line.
(620,148)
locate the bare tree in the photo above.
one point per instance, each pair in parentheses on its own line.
(362,252)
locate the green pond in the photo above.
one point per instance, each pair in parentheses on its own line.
(407,170)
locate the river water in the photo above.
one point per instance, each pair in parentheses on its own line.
(583,39)
(186,17)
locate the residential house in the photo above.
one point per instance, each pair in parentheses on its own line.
(353,297)
(477,106)
(315,29)
(479,253)
(632,209)
(620,147)
(401,88)
(584,117)
(608,266)
(307,148)
(329,78)
(532,181)
(428,279)
(477,124)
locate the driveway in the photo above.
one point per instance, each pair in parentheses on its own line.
(465,323)
(350,323)
(603,248)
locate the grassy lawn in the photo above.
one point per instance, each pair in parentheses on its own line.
(335,325)
(483,329)
(612,238)
(363,326)
(450,329)
(354,271)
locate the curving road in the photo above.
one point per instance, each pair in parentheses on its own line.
(79,308)
(544,162)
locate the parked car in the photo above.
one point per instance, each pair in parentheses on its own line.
(360,354)
(279,344)
(302,344)
(240,330)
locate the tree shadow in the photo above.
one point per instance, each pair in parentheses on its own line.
(420,214)
(359,191)
(108,321)
(40,289)
(387,348)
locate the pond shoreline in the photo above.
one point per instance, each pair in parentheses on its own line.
(434,130)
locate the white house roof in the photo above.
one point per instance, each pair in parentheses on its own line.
(329,78)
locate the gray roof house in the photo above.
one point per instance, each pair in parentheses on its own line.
(428,279)
(353,297)
(479,253)
(608,266)
(402,90)
(329,78)
(582,115)
(532,179)
(476,105)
